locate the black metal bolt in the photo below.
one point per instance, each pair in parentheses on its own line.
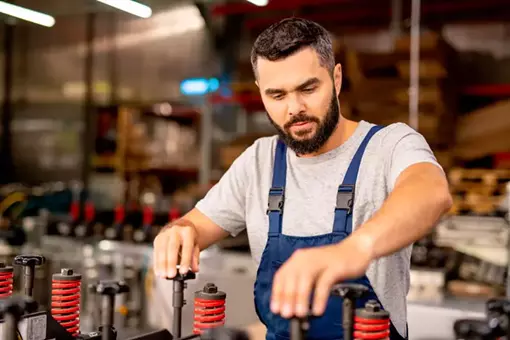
(349,292)
(372,306)
(28,262)
(66,271)
(108,290)
(210,288)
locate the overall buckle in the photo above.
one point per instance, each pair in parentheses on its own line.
(276,200)
(345,198)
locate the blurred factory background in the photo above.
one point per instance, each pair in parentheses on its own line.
(118,116)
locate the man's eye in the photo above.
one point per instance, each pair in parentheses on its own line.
(278,96)
(309,90)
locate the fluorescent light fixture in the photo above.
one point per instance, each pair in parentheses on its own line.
(130,6)
(26,14)
(260,3)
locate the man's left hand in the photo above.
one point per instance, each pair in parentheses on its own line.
(317,269)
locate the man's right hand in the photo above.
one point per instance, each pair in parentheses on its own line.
(176,245)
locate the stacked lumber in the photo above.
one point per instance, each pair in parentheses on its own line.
(483,132)
(478,191)
(379,88)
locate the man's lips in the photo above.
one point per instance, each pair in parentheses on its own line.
(300,123)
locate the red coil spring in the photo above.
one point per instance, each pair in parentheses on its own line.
(75,210)
(65,303)
(174,214)
(148,216)
(209,309)
(119,214)
(6,281)
(371,329)
(90,212)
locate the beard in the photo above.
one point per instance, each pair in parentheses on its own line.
(323,131)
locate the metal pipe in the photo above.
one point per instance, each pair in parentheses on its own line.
(114,74)
(178,303)
(414,79)
(88,100)
(6,158)
(396,18)
(107,316)
(29,280)
(508,239)
(206,139)
(10,331)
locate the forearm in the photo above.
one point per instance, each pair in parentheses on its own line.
(208,233)
(410,212)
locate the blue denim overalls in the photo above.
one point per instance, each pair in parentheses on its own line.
(280,247)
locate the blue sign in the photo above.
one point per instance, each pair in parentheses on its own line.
(199,86)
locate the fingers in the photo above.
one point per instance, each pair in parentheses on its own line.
(170,245)
(157,264)
(292,287)
(323,291)
(196,259)
(277,290)
(172,252)
(304,291)
(292,293)
(187,244)
(288,296)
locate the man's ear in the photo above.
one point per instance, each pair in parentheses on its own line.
(257,83)
(337,77)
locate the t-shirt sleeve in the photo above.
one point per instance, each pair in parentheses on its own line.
(408,148)
(225,202)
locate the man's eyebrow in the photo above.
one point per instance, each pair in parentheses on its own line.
(308,82)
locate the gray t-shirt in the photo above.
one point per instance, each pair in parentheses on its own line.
(239,200)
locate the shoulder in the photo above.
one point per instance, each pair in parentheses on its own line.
(262,147)
(256,156)
(392,135)
(397,131)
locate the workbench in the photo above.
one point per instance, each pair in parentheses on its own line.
(235,273)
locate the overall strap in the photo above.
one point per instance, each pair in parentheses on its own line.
(277,192)
(345,195)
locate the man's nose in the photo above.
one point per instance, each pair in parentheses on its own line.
(295,104)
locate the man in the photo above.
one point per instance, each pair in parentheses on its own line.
(327,200)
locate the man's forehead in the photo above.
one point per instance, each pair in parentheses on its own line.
(291,71)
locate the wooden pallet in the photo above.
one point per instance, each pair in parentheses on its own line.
(476,204)
(478,191)
(479,181)
(379,87)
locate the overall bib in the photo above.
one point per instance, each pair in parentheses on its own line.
(280,247)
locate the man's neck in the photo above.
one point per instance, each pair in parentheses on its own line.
(342,133)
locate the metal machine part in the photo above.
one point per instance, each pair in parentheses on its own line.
(372,322)
(178,299)
(350,292)
(298,328)
(498,314)
(108,290)
(472,329)
(29,262)
(11,310)
(209,311)
(6,280)
(65,300)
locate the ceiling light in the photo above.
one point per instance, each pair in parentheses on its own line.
(260,3)
(26,14)
(130,6)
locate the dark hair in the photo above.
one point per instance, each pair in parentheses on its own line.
(291,35)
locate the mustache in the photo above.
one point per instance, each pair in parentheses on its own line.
(300,118)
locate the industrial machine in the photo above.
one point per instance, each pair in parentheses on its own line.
(23,320)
